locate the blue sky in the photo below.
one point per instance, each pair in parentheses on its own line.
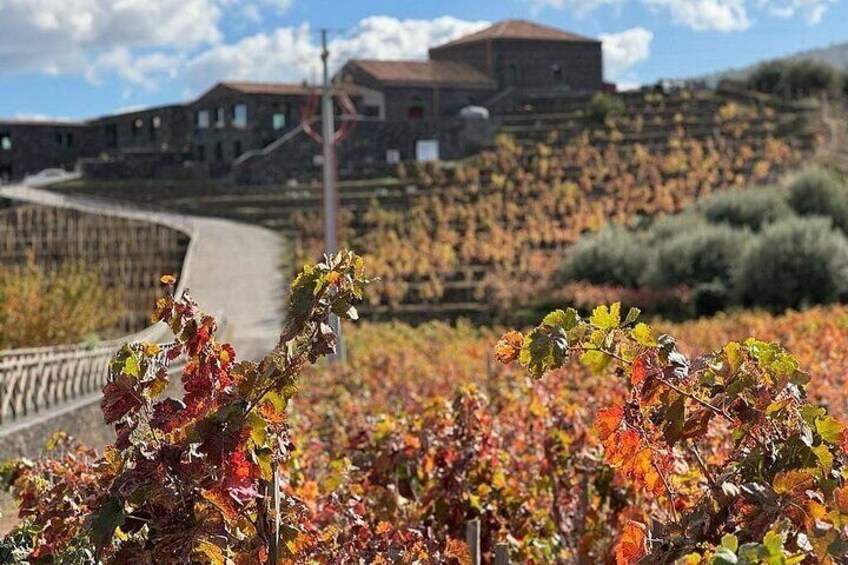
(83,58)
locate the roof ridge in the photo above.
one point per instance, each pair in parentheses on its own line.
(517,29)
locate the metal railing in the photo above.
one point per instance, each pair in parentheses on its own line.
(39,379)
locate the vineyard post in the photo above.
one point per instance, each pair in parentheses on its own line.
(502,554)
(472,538)
(330,212)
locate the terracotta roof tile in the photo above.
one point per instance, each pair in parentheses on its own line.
(518,29)
(425,72)
(268,87)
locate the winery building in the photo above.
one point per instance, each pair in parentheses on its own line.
(251,132)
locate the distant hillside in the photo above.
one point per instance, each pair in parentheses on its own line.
(835,56)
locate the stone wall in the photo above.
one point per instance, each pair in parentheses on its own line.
(522,63)
(478,55)
(368,147)
(141,165)
(29,147)
(222,143)
(530,64)
(165,128)
(435,102)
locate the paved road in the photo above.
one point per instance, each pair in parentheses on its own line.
(232,269)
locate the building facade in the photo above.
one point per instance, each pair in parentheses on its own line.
(29,146)
(526,56)
(417,90)
(402,103)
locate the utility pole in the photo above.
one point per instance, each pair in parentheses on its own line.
(328,130)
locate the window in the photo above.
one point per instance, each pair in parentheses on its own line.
(392,156)
(556,72)
(219,151)
(237,149)
(427,150)
(137,126)
(220,118)
(65,139)
(111,135)
(203,119)
(201,153)
(278,121)
(416,108)
(5,142)
(155,124)
(240,115)
(512,75)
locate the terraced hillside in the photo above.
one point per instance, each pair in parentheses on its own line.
(130,255)
(469,238)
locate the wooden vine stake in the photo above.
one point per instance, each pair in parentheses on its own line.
(472,538)
(502,554)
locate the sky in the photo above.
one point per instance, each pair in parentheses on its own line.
(73,59)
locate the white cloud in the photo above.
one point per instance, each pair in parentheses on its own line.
(292,54)
(59,36)
(579,7)
(252,10)
(251,13)
(628,85)
(706,15)
(280,5)
(703,15)
(384,37)
(812,9)
(145,70)
(286,54)
(624,49)
(35,117)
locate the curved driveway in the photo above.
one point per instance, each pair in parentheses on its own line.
(233,270)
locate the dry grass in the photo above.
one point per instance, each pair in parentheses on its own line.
(67,305)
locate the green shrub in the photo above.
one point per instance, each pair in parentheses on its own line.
(752,208)
(794,263)
(796,79)
(702,254)
(768,77)
(669,227)
(817,192)
(808,78)
(613,256)
(603,106)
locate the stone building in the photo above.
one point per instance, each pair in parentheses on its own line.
(29,146)
(251,132)
(165,128)
(416,90)
(502,62)
(527,56)
(233,118)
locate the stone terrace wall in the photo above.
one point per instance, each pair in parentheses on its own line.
(367,148)
(131,255)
